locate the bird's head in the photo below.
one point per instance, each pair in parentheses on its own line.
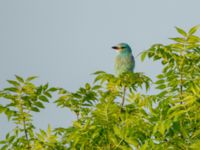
(122,48)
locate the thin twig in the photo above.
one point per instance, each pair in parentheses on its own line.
(123,97)
(140,53)
(25,130)
(21,109)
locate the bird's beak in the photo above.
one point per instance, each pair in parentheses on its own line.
(115,47)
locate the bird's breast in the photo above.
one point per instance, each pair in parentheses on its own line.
(124,63)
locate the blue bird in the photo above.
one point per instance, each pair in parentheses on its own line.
(124,61)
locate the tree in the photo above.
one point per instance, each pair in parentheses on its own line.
(167,120)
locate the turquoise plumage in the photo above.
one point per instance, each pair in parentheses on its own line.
(124,61)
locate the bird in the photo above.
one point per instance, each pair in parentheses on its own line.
(124,61)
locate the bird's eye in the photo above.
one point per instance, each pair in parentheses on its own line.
(123,47)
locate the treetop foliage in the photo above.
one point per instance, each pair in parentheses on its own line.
(111,113)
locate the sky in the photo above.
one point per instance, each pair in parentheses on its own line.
(65,41)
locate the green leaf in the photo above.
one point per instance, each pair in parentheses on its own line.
(53,89)
(164,62)
(96,87)
(7,135)
(143,56)
(99,77)
(45,86)
(2,108)
(194,29)
(156,57)
(193,39)
(39,90)
(48,94)
(163,93)
(20,79)
(162,128)
(11,139)
(160,76)
(43,98)
(181,31)
(11,89)
(39,104)
(9,113)
(35,109)
(117,131)
(15,83)
(98,72)
(62,91)
(151,54)
(87,86)
(161,87)
(178,39)
(2,142)
(160,82)
(31,78)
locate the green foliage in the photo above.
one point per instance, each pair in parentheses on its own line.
(178,111)
(23,98)
(111,113)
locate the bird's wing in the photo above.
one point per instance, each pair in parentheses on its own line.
(133,62)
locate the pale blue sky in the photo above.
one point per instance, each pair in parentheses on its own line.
(64,41)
